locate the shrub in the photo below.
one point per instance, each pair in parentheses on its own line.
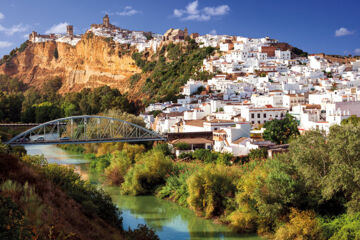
(224,158)
(149,172)
(134,79)
(13,226)
(93,200)
(344,227)
(209,190)
(185,155)
(205,155)
(182,146)
(257,154)
(302,225)
(141,233)
(120,163)
(176,187)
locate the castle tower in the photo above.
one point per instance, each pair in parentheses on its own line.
(70,30)
(106,21)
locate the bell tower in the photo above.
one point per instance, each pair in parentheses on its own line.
(106,21)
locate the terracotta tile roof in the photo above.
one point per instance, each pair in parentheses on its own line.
(197,123)
(192,141)
(240,140)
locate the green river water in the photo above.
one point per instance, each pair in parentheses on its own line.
(169,220)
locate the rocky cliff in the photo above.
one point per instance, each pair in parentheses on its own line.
(93,62)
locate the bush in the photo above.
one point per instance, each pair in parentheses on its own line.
(209,190)
(13,226)
(120,164)
(205,155)
(93,200)
(176,187)
(344,227)
(258,154)
(149,172)
(302,225)
(182,146)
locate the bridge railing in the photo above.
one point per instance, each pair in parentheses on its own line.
(84,129)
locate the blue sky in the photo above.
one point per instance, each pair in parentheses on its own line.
(330,26)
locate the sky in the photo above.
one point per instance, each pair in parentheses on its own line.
(328,26)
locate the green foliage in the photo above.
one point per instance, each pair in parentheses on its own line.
(354,120)
(280,131)
(13,226)
(299,52)
(176,187)
(121,162)
(163,147)
(174,66)
(149,172)
(209,190)
(142,232)
(10,107)
(93,200)
(134,79)
(224,159)
(257,154)
(182,146)
(302,225)
(46,111)
(344,227)
(205,155)
(11,85)
(99,163)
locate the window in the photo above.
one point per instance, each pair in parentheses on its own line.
(282,114)
(252,115)
(252,122)
(258,115)
(264,115)
(258,122)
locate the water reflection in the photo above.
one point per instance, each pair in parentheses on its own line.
(169,220)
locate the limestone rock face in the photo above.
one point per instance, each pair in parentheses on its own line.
(93,62)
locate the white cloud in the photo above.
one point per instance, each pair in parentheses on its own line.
(126,11)
(57,28)
(192,12)
(343,32)
(5,44)
(357,51)
(2,16)
(14,29)
(213,32)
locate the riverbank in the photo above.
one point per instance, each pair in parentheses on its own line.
(298,194)
(48,201)
(169,220)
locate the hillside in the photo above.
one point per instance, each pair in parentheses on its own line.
(93,62)
(44,201)
(97,61)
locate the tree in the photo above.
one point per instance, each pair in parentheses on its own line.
(344,170)
(280,131)
(353,119)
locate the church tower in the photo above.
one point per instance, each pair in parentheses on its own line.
(106,21)
(70,30)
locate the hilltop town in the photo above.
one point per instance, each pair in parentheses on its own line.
(253,81)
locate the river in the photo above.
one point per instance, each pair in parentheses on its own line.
(170,221)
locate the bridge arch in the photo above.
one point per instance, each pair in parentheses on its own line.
(85,129)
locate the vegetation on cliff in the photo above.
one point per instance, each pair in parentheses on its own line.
(18,102)
(170,68)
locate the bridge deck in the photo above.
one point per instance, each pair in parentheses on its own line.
(52,142)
